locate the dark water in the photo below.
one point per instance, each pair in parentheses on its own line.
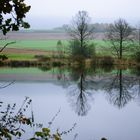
(102,102)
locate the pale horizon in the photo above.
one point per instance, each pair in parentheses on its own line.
(47,14)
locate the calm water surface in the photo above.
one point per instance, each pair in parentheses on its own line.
(102,102)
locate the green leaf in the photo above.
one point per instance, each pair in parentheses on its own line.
(26,25)
(15,27)
(46,130)
(33,139)
(39,134)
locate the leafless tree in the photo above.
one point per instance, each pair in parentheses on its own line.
(119,36)
(80,31)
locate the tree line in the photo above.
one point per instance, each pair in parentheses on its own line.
(119,35)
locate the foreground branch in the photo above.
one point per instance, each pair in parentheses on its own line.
(7,45)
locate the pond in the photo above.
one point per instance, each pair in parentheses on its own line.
(86,103)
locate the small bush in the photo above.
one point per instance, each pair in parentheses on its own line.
(137,56)
(3,57)
(107,60)
(87,51)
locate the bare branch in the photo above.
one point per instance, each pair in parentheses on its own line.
(7,45)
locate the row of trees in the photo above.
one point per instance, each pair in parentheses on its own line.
(119,34)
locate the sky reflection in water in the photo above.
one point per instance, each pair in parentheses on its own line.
(103,104)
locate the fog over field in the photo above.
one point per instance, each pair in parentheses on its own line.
(46,14)
(45,36)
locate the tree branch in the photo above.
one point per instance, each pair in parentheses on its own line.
(7,45)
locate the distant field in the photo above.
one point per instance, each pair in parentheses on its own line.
(43,41)
(46,45)
(27,49)
(35,35)
(29,44)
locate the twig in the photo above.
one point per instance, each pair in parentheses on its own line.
(7,45)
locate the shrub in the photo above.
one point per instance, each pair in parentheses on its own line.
(60,49)
(87,51)
(3,57)
(107,60)
(137,56)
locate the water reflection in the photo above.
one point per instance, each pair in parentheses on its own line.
(6,84)
(83,87)
(79,94)
(136,71)
(121,86)
(120,89)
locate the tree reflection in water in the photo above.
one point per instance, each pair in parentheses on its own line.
(7,84)
(120,89)
(136,71)
(79,94)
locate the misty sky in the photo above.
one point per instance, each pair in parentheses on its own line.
(45,14)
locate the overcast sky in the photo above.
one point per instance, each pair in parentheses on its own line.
(53,13)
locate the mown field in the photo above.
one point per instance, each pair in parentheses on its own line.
(46,45)
(27,45)
(26,49)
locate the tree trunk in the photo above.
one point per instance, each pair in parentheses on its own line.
(121,43)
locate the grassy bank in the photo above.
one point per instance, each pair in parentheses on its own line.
(27,50)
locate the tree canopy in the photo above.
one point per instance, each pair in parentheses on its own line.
(120,36)
(80,32)
(80,29)
(12,14)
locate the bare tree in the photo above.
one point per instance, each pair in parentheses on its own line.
(80,32)
(119,35)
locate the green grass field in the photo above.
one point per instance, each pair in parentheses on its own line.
(20,56)
(48,45)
